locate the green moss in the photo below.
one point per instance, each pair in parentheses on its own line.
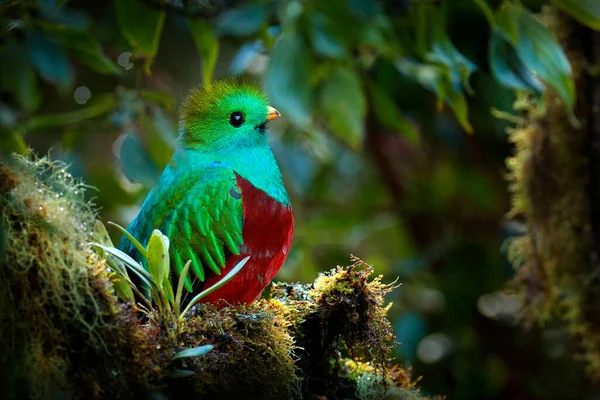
(61,328)
(549,177)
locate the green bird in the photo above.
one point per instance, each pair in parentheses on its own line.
(221,198)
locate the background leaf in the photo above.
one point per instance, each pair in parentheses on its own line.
(508,68)
(389,115)
(343,102)
(243,21)
(141,26)
(207,45)
(50,61)
(17,76)
(585,11)
(287,80)
(542,53)
(82,46)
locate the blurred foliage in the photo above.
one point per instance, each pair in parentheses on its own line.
(388,145)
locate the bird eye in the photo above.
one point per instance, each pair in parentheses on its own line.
(236,119)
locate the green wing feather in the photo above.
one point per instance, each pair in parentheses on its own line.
(201,213)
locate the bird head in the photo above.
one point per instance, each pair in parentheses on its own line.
(227,114)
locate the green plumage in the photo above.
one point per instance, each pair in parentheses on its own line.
(201,220)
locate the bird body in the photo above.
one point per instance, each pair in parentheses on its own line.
(221,198)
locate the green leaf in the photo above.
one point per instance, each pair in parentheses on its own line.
(142,27)
(457,101)
(133,265)
(180,373)
(438,79)
(216,286)
(540,51)
(208,47)
(389,115)
(17,77)
(443,52)
(100,105)
(129,236)
(537,50)
(157,256)
(288,79)
(82,46)
(122,287)
(193,352)
(428,76)
(127,260)
(50,61)
(243,21)
(508,68)
(322,39)
(182,277)
(101,235)
(585,11)
(343,101)
(486,10)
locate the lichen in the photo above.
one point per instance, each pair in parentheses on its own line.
(64,332)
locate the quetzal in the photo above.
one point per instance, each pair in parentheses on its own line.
(221,198)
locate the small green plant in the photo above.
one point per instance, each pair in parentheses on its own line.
(157,293)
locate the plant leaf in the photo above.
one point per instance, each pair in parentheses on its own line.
(122,287)
(49,60)
(82,46)
(389,115)
(141,26)
(180,373)
(17,76)
(343,101)
(193,352)
(508,68)
(585,11)
(538,51)
(288,79)
(437,79)
(131,263)
(157,257)
(322,39)
(99,105)
(216,286)
(180,284)
(208,47)
(243,21)
(129,236)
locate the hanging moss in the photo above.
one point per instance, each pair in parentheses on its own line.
(63,332)
(61,328)
(549,181)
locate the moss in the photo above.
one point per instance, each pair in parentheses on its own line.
(371,384)
(61,328)
(549,178)
(342,312)
(63,332)
(252,358)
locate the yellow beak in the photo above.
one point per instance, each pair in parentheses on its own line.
(272,113)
